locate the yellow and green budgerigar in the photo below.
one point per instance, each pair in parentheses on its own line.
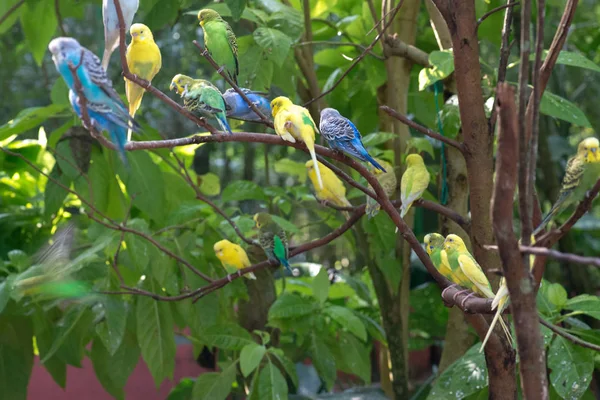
(333,190)
(144,60)
(388,182)
(434,244)
(233,257)
(459,258)
(294,123)
(583,170)
(414,182)
(272,239)
(220,41)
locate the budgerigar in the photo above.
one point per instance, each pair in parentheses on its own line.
(201,98)
(342,135)
(459,258)
(144,60)
(434,243)
(413,183)
(233,257)
(333,190)
(237,107)
(220,41)
(272,239)
(294,123)
(583,170)
(386,179)
(111,24)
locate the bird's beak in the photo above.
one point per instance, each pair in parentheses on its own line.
(135,34)
(173,86)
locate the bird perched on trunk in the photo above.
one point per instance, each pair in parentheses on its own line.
(583,170)
(233,257)
(333,191)
(237,107)
(111,24)
(414,182)
(272,239)
(220,41)
(201,98)
(387,179)
(144,60)
(107,111)
(294,123)
(342,135)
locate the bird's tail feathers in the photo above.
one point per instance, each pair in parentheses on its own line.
(372,208)
(285,263)
(309,140)
(250,275)
(222,119)
(553,211)
(370,159)
(120,139)
(106,58)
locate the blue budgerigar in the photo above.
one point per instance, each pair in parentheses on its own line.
(102,99)
(342,135)
(237,108)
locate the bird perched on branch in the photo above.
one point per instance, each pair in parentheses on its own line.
(201,98)
(233,257)
(111,24)
(333,191)
(272,239)
(144,60)
(414,182)
(387,179)
(342,135)
(583,170)
(457,256)
(220,41)
(434,243)
(107,111)
(294,123)
(237,107)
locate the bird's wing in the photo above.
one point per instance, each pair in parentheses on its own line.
(281,121)
(98,75)
(233,45)
(573,173)
(473,271)
(340,129)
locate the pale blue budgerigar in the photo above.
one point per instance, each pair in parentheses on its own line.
(111,24)
(237,108)
(342,135)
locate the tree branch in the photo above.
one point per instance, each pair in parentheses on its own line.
(568,336)
(568,257)
(396,47)
(495,10)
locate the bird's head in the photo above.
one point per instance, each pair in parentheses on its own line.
(262,219)
(65,49)
(454,243)
(140,32)
(414,160)
(180,82)
(279,103)
(433,241)
(220,246)
(329,113)
(207,15)
(589,149)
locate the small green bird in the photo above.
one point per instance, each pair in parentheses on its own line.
(201,98)
(583,170)
(272,239)
(386,179)
(220,41)
(434,243)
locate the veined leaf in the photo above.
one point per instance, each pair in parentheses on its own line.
(276,43)
(346,318)
(290,305)
(558,107)
(227,336)
(214,385)
(271,384)
(571,368)
(250,357)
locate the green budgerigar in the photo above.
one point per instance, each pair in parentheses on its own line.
(220,41)
(387,180)
(201,98)
(434,243)
(583,170)
(272,239)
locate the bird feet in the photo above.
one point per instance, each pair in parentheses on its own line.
(141,81)
(462,303)
(458,294)
(205,53)
(240,273)
(220,70)
(229,278)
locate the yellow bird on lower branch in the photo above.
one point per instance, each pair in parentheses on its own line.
(233,257)
(333,190)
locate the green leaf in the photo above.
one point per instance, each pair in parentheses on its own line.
(243,190)
(214,385)
(354,357)
(286,363)
(421,144)
(320,285)
(290,305)
(276,44)
(250,357)
(442,63)
(429,318)
(38,20)
(450,115)
(290,167)
(66,160)
(571,368)
(237,8)
(558,107)
(29,118)
(183,390)
(285,224)
(112,329)
(5,290)
(323,361)
(163,13)
(5,6)
(55,195)
(543,302)
(228,336)
(19,259)
(346,318)
(586,304)
(465,376)
(16,353)
(377,138)
(71,336)
(44,326)
(224,11)
(574,59)
(256,69)
(59,94)
(557,295)
(271,384)
(210,184)
(155,337)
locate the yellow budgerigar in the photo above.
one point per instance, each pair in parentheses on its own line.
(333,190)
(293,123)
(144,60)
(233,257)
(434,243)
(414,182)
(388,182)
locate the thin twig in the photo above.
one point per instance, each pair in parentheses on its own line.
(542,251)
(333,43)
(59,17)
(11,10)
(568,336)
(495,10)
